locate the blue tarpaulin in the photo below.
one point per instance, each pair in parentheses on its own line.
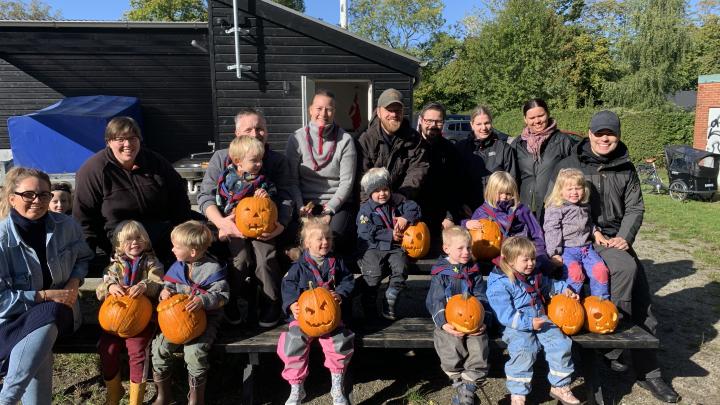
(59,138)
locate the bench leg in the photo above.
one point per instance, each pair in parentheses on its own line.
(249,378)
(593,385)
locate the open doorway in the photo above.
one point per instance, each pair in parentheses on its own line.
(353,107)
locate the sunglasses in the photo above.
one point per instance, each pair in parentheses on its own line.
(30,196)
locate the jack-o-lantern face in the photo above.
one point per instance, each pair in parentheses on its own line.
(601,315)
(177,324)
(124,316)
(567,314)
(486,241)
(465,313)
(416,240)
(319,313)
(255,216)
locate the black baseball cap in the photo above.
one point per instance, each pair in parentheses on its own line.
(605,120)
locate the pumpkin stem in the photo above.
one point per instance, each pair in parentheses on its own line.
(310,285)
(466,295)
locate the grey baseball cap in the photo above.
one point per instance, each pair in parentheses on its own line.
(605,120)
(390,96)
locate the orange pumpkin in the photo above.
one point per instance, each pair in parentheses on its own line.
(465,313)
(124,316)
(416,240)
(486,240)
(601,315)
(178,325)
(567,314)
(319,313)
(255,216)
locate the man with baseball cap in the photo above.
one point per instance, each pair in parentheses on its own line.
(390,142)
(617,209)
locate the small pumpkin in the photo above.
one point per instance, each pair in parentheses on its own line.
(255,216)
(566,313)
(319,313)
(178,325)
(486,240)
(416,240)
(465,313)
(124,316)
(601,315)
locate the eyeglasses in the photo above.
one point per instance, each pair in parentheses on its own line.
(30,196)
(130,139)
(434,122)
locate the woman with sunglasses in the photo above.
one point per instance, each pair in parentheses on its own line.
(43,260)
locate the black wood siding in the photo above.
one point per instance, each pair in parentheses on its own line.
(278,53)
(39,66)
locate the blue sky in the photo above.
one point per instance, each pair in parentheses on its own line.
(327,10)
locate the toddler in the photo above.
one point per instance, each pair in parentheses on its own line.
(61,198)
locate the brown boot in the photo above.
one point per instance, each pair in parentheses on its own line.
(164,389)
(197,390)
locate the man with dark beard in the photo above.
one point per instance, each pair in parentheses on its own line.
(391,143)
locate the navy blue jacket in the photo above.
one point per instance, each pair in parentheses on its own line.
(373,231)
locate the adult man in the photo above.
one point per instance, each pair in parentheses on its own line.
(391,143)
(250,122)
(617,209)
(439,197)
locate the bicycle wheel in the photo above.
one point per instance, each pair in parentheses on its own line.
(678,190)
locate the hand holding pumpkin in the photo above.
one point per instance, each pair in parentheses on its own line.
(479,332)
(295,309)
(227,228)
(451,330)
(400,225)
(194,303)
(570,293)
(473,224)
(137,290)
(165,294)
(279,228)
(116,290)
(261,193)
(337,296)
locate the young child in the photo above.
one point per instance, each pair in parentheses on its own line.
(203,278)
(62,198)
(381,221)
(319,266)
(568,227)
(463,357)
(517,292)
(502,205)
(134,271)
(242,179)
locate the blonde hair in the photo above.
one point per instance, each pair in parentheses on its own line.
(192,235)
(512,248)
(13,178)
(313,224)
(127,230)
(455,232)
(501,182)
(567,177)
(242,145)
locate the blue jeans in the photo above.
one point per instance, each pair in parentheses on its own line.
(30,367)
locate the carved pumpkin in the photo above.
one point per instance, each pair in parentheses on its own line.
(465,313)
(255,216)
(416,240)
(319,313)
(601,315)
(567,314)
(178,325)
(124,316)
(486,241)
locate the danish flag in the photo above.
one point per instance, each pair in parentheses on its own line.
(355,113)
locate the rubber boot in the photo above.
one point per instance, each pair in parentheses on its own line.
(196,396)
(164,389)
(137,393)
(115,391)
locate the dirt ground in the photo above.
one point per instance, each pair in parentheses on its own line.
(687,303)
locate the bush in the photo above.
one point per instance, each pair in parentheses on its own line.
(644,132)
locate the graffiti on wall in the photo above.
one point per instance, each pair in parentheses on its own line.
(713,136)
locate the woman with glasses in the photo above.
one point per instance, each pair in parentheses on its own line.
(128,181)
(43,261)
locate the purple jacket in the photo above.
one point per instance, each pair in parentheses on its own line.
(567,225)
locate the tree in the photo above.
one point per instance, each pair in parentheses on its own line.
(167,10)
(399,24)
(298,5)
(33,10)
(437,53)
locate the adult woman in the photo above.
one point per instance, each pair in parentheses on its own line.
(482,153)
(540,146)
(126,181)
(43,260)
(323,162)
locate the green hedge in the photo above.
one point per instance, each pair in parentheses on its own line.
(644,132)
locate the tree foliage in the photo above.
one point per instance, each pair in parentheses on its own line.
(167,10)
(24,10)
(298,5)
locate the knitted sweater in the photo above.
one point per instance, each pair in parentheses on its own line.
(323,169)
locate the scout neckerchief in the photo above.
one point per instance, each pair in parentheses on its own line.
(131,268)
(332,137)
(179,273)
(492,215)
(531,284)
(309,262)
(388,221)
(251,182)
(456,271)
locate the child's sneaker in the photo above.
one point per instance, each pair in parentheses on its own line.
(564,395)
(337,389)
(389,303)
(517,399)
(297,394)
(464,393)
